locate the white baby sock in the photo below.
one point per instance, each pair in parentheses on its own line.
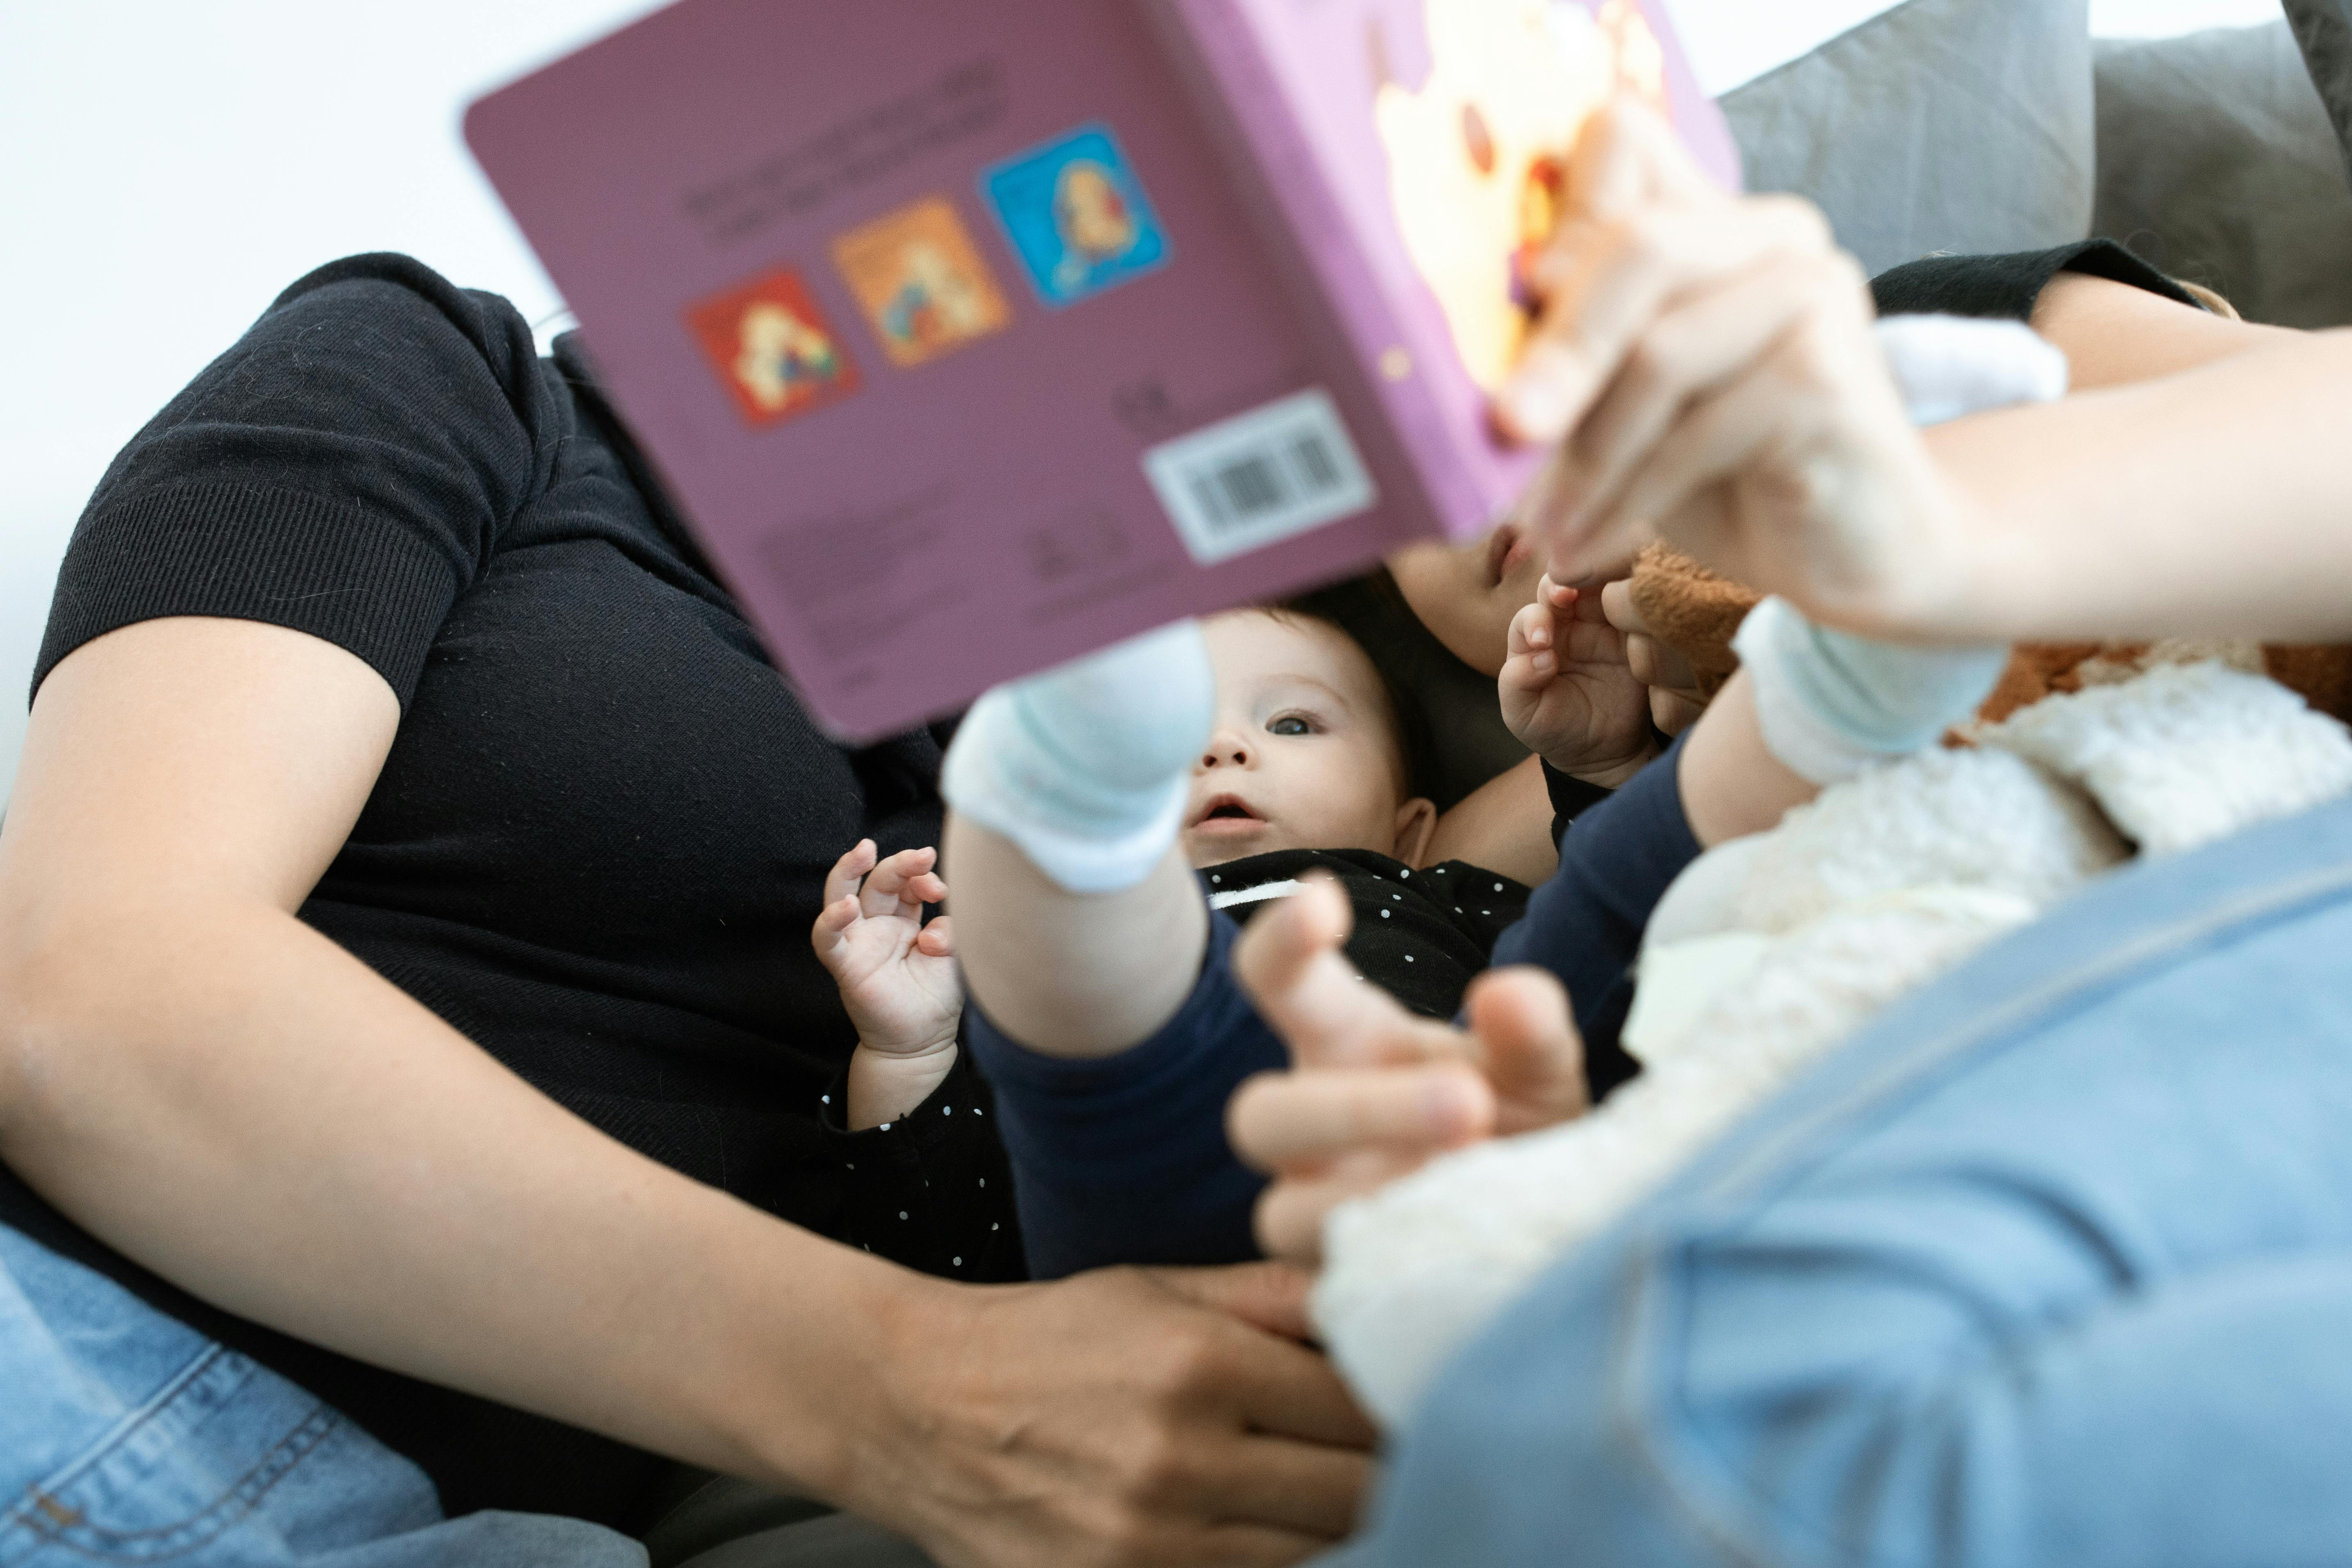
(1085,766)
(1831,703)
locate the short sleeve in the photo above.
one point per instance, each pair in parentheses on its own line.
(344,469)
(2006,286)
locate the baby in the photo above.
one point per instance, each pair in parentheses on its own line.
(1289,757)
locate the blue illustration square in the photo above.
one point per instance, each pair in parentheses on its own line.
(1077,215)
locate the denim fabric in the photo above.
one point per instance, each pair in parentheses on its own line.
(2053,1264)
(126,1438)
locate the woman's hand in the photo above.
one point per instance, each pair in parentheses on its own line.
(1376,1091)
(1568,693)
(1137,1417)
(1706,366)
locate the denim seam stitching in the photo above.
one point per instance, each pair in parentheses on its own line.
(238,1500)
(1640,1367)
(27,1510)
(208,1524)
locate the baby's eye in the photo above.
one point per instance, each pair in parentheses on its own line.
(1290,724)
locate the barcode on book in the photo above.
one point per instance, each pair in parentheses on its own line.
(1248,481)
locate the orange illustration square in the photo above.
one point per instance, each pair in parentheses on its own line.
(772,347)
(925,289)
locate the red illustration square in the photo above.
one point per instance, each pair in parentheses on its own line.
(774,348)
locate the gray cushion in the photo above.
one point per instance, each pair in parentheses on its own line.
(2219,165)
(1955,125)
(2324,28)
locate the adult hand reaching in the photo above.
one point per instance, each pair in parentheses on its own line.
(1705,364)
(1140,1417)
(1376,1091)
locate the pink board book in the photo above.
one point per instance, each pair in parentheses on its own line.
(973,336)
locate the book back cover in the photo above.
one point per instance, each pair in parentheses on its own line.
(945,327)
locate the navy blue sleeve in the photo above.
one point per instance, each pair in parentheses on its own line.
(1585,924)
(1123,1159)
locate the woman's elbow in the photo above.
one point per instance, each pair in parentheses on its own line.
(72,982)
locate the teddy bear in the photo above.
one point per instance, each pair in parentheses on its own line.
(1771,950)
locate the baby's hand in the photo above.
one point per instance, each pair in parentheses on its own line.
(1675,700)
(897,974)
(1567,693)
(1375,1092)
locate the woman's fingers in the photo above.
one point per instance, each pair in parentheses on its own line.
(1771,475)
(1609,281)
(1625,156)
(1686,352)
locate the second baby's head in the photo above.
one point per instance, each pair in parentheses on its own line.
(1308,749)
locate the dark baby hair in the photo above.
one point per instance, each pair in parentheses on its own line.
(1336,605)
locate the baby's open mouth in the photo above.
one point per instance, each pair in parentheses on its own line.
(1226,814)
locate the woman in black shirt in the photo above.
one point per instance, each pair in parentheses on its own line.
(403,916)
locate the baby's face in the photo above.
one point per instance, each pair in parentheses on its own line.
(1467,594)
(1302,757)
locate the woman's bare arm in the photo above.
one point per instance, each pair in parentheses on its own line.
(180,1048)
(2195,485)
(224,1095)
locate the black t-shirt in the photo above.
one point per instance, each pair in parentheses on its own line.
(599,839)
(600,836)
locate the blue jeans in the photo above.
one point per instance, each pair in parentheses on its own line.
(126,1438)
(2052,1264)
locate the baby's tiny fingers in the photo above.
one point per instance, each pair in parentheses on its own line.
(1655,664)
(1290,1212)
(1530,629)
(1617,606)
(888,883)
(936,938)
(849,870)
(1279,1122)
(826,934)
(1674,712)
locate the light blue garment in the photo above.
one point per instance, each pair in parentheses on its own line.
(2053,1265)
(126,1438)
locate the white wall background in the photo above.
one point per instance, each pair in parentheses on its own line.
(165,168)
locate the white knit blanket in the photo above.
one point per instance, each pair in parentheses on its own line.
(1769,951)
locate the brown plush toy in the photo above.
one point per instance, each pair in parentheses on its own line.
(1695,611)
